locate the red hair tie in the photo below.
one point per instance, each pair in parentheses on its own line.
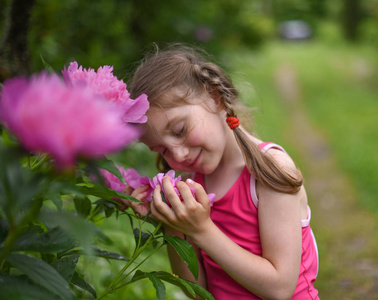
(233,122)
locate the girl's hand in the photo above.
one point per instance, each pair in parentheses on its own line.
(139,193)
(189,216)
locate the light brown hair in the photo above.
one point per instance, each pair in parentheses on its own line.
(185,68)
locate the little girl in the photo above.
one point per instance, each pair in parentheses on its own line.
(255,241)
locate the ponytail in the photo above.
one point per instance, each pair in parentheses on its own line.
(265,169)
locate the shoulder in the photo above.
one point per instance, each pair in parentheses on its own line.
(283,161)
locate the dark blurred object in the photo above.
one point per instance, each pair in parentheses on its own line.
(295,30)
(14,52)
(203,34)
(351,19)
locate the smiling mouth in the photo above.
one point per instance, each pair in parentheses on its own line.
(195,160)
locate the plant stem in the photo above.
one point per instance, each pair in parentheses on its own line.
(110,288)
(15,230)
(12,235)
(94,213)
(136,267)
(39,162)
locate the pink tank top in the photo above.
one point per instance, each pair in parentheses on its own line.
(236,215)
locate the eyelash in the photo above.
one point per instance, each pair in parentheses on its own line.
(180,132)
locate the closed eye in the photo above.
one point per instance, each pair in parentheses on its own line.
(180,132)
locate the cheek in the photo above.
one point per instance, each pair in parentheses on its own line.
(195,138)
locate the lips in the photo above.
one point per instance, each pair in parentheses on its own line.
(196,160)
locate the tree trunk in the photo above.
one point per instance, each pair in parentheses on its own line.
(352,16)
(14,53)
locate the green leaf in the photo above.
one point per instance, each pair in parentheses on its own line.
(105,193)
(42,274)
(21,288)
(53,193)
(74,226)
(81,283)
(158,285)
(7,138)
(54,240)
(4,230)
(15,200)
(142,236)
(83,206)
(200,291)
(47,66)
(186,252)
(109,165)
(188,287)
(48,257)
(66,266)
(110,255)
(109,209)
(99,253)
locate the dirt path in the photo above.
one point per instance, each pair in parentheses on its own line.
(346,233)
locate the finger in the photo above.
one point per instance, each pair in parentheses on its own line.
(123,206)
(139,190)
(200,193)
(160,206)
(156,214)
(128,190)
(140,193)
(124,202)
(171,194)
(186,193)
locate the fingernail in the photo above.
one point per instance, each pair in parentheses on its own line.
(190,182)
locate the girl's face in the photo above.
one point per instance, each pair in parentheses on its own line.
(191,138)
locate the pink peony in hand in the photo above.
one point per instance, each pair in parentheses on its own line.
(105,83)
(64,121)
(133,179)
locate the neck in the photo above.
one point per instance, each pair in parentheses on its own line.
(232,164)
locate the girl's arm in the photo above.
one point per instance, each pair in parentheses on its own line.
(272,276)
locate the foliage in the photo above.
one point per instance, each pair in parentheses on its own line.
(63,31)
(50,212)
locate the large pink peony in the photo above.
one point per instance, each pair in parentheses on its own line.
(63,121)
(133,179)
(105,83)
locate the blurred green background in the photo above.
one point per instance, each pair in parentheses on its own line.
(312,86)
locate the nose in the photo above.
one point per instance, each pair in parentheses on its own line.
(179,153)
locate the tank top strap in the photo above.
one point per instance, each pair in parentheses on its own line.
(265,146)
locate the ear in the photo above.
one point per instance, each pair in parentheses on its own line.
(217,97)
